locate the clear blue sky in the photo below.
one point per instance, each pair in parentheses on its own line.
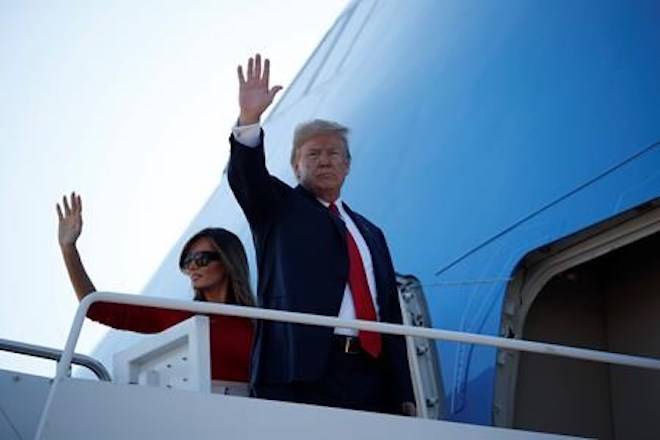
(128,103)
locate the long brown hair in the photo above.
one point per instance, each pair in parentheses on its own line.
(232,257)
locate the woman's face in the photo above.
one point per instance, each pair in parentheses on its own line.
(207,273)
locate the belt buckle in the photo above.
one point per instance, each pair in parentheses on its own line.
(351,345)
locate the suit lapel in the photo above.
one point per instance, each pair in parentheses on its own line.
(340,227)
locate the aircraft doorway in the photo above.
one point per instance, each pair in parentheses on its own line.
(600,290)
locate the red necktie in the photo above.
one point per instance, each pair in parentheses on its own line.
(357,281)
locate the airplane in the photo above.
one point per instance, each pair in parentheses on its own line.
(511,154)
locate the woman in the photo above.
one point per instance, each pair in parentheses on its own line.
(215,261)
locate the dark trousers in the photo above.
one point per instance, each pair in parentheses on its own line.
(352,380)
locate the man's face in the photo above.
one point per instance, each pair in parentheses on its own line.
(321,165)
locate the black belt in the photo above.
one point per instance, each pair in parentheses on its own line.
(347,344)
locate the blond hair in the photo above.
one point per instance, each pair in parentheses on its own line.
(307,130)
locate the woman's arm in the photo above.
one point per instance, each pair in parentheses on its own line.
(69,229)
(135,318)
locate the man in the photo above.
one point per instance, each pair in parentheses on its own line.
(315,255)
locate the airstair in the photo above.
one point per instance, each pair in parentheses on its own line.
(151,396)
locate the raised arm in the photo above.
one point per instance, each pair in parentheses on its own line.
(254,95)
(134,318)
(257,192)
(69,228)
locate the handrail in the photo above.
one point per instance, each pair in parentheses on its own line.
(24,348)
(327,321)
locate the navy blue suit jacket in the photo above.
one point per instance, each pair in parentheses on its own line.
(302,262)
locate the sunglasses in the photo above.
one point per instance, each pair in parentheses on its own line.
(201,259)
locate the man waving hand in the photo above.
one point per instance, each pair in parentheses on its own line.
(315,255)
